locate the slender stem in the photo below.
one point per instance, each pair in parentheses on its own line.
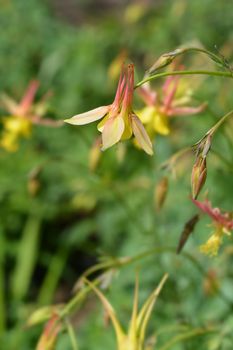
(184,72)
(72,336)
(190,334)
(223,159)
(220,122)
(2,285)
(79,297)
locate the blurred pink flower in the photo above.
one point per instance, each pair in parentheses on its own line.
(158,110)
(22,115)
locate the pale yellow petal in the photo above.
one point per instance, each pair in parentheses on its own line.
(141,135)
(100,125)
(112,132)
(88,117)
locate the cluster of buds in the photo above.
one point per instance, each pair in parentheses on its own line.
(119,122)
(22,116)
(222,223)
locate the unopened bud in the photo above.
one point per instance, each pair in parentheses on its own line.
(211,283)
(95,154)
(166,59)
(161,192)
(162,61)
(198,177)
(206,145)
(41,315)
(187,230)
(34,183)
(48,338)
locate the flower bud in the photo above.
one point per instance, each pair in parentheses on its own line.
(198,177)
(48,338)
(161,192)
(95,154)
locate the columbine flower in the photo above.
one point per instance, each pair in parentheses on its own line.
(159,109)
(222,223)
(22,116)
(134,339)
(119,121)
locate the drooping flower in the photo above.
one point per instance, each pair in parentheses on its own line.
(161,107)
(222,223)
(119,121)
(22,116)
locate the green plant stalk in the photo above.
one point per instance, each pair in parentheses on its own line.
(219,123)
(115,263)
(26,258)
(2,286)
(184,72)
(52,277)
(187,335)
(223,159)
(71,334)
(76,300)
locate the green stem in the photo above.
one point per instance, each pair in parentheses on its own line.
(79,297)
(76,300)
(187,335)
(184,72)
(72,336)
(224,160)
(2,286)
(220,122)
(26,258)
(55,269)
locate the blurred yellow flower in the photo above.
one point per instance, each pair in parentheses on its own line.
(22,116)
(14,127)
(222,223)
(211,247)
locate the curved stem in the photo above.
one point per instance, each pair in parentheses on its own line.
(190,334)
(72,336)
(184,72)
(124,261)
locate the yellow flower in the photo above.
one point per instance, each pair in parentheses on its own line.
(222,222)
(211,247)
(22,116)
(155,121)
(14,127)
(119,121)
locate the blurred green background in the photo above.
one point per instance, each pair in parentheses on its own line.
(58,216)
